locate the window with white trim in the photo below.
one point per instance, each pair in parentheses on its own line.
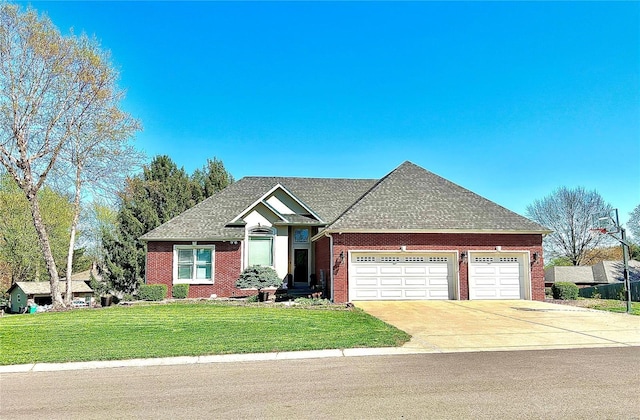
(193,264)
(261,246)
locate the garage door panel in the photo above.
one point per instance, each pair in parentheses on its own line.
(416,281)
(487,270)
(436,294)
(366,294)
(366,281)
(390,294)
(486,281)
(510,294)
(512,281)
(487,294)
(438,270)
(391,270)
(509,270)
(366,270)
(443,281)
(391,281)
(416,270)
(416,294)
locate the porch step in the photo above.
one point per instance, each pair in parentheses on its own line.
(293,293)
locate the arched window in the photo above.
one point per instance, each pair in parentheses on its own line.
(261,246)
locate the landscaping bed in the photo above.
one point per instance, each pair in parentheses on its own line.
(187,329)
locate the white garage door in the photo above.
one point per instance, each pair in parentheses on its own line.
(400,277)
(495,277)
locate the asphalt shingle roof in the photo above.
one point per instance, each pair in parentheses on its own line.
(209,219)
(408,198)
(44,287)
(412,198)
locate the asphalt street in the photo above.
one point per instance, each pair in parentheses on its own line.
(580,383)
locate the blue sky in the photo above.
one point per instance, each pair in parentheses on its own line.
(508,99)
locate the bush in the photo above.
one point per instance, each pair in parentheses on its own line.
(154,292)
(258,277)
(99,288)
(180,291)
(312,301)
(565,290)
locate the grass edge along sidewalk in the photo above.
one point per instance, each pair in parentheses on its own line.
(186,329)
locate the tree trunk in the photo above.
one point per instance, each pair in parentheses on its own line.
(43,240)
(72,236)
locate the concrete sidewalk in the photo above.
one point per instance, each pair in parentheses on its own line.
(224,358)
(456,326)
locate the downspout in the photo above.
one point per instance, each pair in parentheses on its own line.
(328,235)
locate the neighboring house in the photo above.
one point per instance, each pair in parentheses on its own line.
(410,235)
(605,272)
(86,275)
(39,292)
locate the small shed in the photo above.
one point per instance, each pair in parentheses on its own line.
(40,293)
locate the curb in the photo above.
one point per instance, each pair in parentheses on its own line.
(220,358)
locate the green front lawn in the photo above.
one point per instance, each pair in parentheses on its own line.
(185,329)
(616,306)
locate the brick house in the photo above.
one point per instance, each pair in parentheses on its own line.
(409,235)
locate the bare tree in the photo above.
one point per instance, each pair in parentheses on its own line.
(50,86)
(633,225)
(99,156)
(570,214)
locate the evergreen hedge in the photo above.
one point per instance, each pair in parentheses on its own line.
(565,290)
(153,292)
(180,291)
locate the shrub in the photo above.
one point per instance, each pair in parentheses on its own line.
(312,301)
(180,291)
(252,298)
(154,292)
(99,288)
(258,277)
(565,290)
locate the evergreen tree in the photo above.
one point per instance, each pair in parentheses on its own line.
(212,178)
(160,193)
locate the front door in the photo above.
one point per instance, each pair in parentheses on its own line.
(301,265)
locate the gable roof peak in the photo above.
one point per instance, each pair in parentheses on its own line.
(413,198)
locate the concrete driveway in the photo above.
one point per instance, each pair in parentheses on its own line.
(457,326)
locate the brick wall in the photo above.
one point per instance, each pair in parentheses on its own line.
(322,259)
(227,265)
(431,242)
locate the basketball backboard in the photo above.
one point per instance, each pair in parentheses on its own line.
(607,222)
